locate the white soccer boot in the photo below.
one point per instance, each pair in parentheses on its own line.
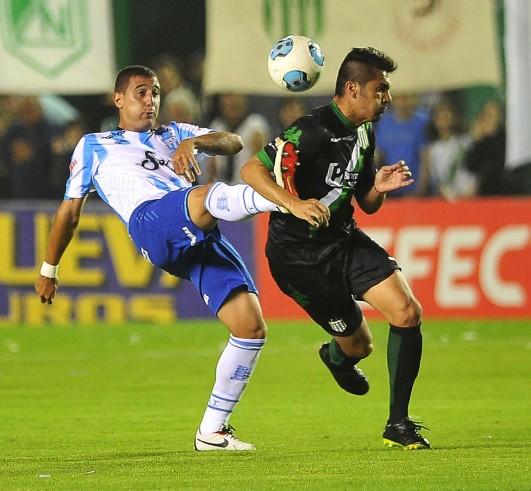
(223,439)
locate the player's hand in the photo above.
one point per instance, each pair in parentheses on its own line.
(391,177)
(184,163)
(46,288)
(312,211)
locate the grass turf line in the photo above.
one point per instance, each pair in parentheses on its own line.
(117,408)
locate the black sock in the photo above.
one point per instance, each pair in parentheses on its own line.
(338,356)
(404,350)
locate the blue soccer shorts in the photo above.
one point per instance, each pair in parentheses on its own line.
(164,234)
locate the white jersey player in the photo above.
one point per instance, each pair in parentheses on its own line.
(146,177)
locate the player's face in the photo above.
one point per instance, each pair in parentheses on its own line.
(139,104)
(373,98)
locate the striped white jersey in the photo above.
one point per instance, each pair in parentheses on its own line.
(127,168)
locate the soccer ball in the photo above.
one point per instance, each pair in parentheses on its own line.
(295,63)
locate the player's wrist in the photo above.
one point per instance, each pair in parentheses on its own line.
(49,270)
(381,193)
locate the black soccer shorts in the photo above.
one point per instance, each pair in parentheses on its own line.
(328,291)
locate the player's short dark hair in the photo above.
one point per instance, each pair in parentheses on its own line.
(122,79)
(359,65)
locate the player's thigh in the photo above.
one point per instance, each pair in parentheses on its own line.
(322,291)
(394,298)
(227,288)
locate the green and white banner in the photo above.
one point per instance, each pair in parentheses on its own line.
(438,44)
(62,46)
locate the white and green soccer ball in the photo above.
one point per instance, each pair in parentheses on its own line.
(295,63)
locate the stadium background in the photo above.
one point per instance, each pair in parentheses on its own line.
(464,259)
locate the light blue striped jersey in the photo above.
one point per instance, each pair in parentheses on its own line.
(127,168)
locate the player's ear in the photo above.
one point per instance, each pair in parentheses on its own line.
(117,98)
(352,88)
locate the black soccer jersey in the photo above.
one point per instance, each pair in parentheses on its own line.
(335,164)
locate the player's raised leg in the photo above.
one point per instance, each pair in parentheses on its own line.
(207,204)
(395,300)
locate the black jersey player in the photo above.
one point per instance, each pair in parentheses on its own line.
(317,170)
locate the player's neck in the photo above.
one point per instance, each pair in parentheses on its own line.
(348,115)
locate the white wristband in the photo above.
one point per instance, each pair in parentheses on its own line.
(49,270)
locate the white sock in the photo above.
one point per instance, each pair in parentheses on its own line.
(235,366)
(233,203)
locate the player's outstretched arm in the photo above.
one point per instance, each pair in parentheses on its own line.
(64,224)
(258,177)
(214,143)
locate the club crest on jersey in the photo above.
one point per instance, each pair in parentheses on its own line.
(167,135)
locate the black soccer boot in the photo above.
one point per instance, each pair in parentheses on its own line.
(349,378)
(405,434)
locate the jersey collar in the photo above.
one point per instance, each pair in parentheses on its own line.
(143,136)
(344,120)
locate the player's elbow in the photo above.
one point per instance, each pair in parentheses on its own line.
(234,143)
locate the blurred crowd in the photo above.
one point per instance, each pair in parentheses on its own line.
(451,155)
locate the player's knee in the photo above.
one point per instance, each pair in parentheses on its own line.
(408,315)
(251,330)
(258,332)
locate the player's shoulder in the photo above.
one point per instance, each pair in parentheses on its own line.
(307,125)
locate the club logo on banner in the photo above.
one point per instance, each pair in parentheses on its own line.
(283,17)
(426,38)
(425,25)
(59,46)
(47,36)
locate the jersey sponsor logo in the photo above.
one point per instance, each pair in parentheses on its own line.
(339,178)
(153,163)
(337,325)
(117,136)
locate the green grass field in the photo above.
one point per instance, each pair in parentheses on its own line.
(118,407)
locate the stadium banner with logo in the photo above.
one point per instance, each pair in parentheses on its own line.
(438,44)
(463,260)
(102,278)
(59,46)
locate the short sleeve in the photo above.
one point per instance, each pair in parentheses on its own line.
(186,130)
(79,183)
